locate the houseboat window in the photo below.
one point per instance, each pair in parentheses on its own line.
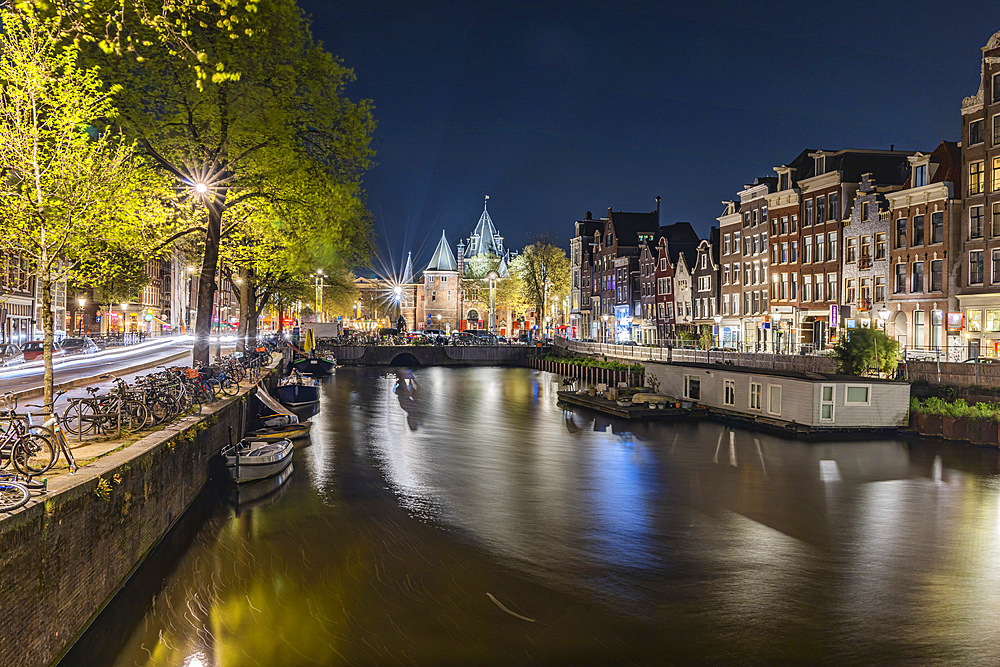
(730,393)
(692,387)
(755,390)
(774,399)
(826,403)
(857,395)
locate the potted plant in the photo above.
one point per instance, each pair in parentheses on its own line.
(592,390)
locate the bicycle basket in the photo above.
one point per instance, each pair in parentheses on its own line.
(192,373)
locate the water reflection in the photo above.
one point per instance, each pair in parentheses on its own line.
(459,516)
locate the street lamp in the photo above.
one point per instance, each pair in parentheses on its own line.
(884,316)
(718,330)
(776,345)
(493,301)
(124,315)
(318,317)
(82,301)
(605,328)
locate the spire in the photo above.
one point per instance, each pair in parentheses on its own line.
(485,238)
(408,271)
(443,259)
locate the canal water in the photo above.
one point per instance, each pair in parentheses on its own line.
(460,517)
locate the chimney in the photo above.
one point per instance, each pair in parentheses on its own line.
(609,211)
(588,216)
(892,147)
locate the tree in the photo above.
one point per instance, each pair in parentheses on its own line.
(73,193)
(264,131)
(541,275)
(864,351)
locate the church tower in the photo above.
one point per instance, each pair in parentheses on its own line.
(441,289)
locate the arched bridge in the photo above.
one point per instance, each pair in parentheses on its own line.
(429,355)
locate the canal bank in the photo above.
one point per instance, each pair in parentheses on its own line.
(69,551)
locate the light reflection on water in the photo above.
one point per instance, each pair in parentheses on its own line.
(425,492)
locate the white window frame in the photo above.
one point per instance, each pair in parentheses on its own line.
(847,391)
(687,387)
(770,392)
(832,402)
(756,392)
(729,393)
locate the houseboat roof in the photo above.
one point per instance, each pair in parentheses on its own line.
(796,375)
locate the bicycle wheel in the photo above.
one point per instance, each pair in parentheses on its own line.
(83,417)
(33,454)
(213,389)
(135,416)
(229,388)
(12,496)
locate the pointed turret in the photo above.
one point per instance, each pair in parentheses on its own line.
(485,238)
(408,271)
(443,259)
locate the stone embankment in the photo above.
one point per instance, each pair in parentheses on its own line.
(67,553)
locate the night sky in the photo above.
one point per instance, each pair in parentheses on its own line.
(554,108)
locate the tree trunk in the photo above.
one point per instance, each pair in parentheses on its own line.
(48,328)
(253,316)
(245,309)
(206,284)
(281,319)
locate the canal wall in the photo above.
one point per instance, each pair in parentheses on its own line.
(955,374)
(67,553)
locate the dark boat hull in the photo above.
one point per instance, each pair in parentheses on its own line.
(297,394)
(313,366)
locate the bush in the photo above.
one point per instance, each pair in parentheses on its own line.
(588,362)
(864,350)
(958,409)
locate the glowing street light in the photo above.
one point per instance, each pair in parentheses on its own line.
(200,188)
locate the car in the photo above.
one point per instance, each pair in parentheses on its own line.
(81,345)
(983,360)
(34,349)
(10,355)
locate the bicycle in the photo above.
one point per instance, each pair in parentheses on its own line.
(13,494)
(52,425)
(30,452)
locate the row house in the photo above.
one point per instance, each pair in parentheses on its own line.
(705,282)
(662,265)
(749,269)
(979,282)
(580,275)
(731,261)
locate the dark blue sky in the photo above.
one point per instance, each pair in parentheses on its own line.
(557,108)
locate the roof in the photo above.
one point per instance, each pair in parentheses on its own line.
(408,270)
(485,238)
(681,238)
(886,167)
(443,259)
(797,375)
(628,225)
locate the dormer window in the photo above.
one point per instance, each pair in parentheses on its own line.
(996,88)
(920,175)
(783,181)
(820,164)
(607,241)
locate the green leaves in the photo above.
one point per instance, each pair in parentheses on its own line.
(864,351)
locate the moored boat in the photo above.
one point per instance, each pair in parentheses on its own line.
(253,459)
(313,365)
(276,433)
(297,389)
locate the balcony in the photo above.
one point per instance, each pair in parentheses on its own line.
(865,262)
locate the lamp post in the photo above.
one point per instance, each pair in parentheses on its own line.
(493,302)
(718,330)
(124,320)
(82,301)
(605,327)
(884,316)
(397,295)
(776,345)
(318,276)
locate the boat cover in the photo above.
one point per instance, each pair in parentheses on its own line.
(272,403)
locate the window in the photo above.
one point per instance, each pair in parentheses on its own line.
(993,320)
(747,249)
(692,387)
(996,218)
(900,286)
(763,214)
(746,303)
(937,328)
(866,292)
(937,227)
(807,250)
(976,267)
(774,399)
(976,177)
(736,303)
(795,251)
(774,254)
(725,244)
(755,391)
(879,289)
(756,244)
(795,223)
(831,287)
(996,266)
(725,274)
(819,287)
(820,164)
(975,319)
(937,275)
(826,402)
(736,273)
(901,232)
(920,175)
(834,211)
(918,277)
(996,130)
(729,396)
(809,213)
(918,230)
(918,328)
(807,285)
(832,247)
(880,245)
(858,394)
(865,247)
(704,261)
(975,132)
(755,215)
(783,181)
(784,253)
(782,225)
(820,247)
(995,175)
(850,251)
(820,209)
(864,211)
(849,290)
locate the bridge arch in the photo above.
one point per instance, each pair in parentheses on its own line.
(404,359)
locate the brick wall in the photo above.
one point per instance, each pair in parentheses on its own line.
(958,374)
(63,558)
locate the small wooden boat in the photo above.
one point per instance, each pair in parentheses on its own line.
(253,459)
(313,365)
(276,433)
(297,390)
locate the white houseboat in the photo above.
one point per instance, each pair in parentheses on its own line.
(803,404)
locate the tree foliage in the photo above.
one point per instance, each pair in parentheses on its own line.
(73,193)
(540,276)
(864,351)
